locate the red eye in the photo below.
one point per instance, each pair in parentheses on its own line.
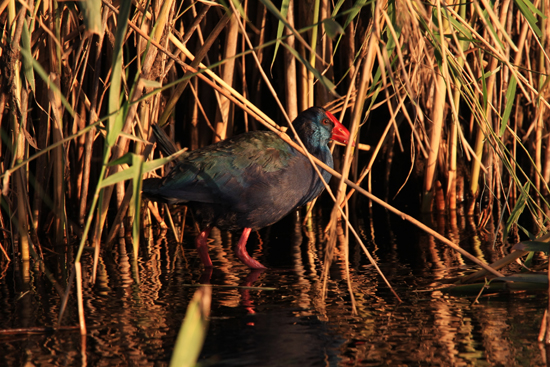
(325,122)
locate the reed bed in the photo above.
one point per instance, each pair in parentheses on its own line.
(463,87)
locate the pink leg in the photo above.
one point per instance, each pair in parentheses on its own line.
(243,255)
(202,247)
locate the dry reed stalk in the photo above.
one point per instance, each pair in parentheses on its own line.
(454,99)
(322,94)
(435,139)
(451,191)
(372,48)
(43,168)
(410,91)
(19,144)
(476,164)
(94,108)
(367,169)
(263,74)
(243,67)
(22,225)
(499,97)
(482,130)
(223,119)
(539,126)
(58,161)
(442,86)
(255,85)
(195,26)
(313,54)
(542,83)
(21,180)
(79,297)
(366,79)
(291,87)
(303,91)
(121,147)
(77,160)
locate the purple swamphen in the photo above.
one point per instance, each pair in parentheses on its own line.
(251,180)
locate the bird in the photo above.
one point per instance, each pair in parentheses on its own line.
(251,180)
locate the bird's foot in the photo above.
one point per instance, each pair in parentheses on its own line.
(248,261)
(243,255)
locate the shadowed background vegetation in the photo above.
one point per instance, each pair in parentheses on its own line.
(453,95)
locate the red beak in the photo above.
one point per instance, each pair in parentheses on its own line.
(339,132)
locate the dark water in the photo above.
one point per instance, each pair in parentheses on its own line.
(136,324)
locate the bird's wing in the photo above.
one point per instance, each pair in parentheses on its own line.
(222,173)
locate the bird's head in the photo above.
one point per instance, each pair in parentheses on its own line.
(317,126)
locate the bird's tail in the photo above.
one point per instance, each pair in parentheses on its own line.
(163,141)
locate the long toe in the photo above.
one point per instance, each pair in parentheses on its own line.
(243,255)
(249,261)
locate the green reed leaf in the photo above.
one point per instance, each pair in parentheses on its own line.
(193,330)
(510,99)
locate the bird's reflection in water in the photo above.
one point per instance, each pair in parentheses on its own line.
(291,255)
(230,297)
(249,281)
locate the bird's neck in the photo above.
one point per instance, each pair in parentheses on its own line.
(315,146)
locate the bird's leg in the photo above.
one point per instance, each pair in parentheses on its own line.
(202,247)
(243,255)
